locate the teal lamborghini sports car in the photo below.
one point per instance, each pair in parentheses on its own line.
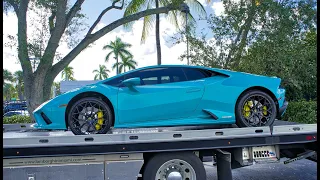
(166,95)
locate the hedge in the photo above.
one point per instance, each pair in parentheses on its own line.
(17,119)
(301,112)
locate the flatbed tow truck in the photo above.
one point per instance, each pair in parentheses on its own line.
(149,153)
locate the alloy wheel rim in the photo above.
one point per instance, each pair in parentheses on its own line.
(89,117)
(257,111)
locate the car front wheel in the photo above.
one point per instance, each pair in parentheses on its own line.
(90,115)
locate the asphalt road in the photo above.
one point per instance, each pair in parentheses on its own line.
(298,170)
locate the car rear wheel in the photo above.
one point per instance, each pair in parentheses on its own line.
(90,115)
(255,109)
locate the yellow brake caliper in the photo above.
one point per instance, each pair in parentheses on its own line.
(246,109)
(100,120)
(265,110)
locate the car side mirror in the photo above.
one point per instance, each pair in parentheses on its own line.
(132,82)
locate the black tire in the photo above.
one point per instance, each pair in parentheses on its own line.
(241,121)
(155,162)
(108,117)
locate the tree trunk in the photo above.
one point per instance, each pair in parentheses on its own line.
(48,83)
(158,35)
(19,91)
(38,90)
(117,65)
(233,47)
(244,37)
(34,96)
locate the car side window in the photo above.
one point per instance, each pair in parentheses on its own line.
(115,82)
(195,74)
(150,80)
(155,76)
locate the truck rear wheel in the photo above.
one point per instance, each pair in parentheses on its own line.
(184,166)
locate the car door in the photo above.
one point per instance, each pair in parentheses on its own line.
(164,93)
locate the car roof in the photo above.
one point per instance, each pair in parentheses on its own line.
(156,66)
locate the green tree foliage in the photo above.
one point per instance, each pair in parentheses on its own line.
(67,74)
(18,77)
(7,76)
(177,18)
(57,88)
(12,85)
(56,22)
(126,62)
(101,73)
(292,60)
(119,49)
(273,38)
(8,91)
(17,119)
(302,111)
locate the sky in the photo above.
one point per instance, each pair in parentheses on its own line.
(90,58)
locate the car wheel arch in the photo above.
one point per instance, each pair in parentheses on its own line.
(89,94)
(263,89)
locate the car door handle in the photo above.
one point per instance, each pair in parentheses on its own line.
(191,90)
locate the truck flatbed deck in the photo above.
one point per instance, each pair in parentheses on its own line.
(24,143)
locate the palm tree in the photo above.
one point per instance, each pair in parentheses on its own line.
(126,62)
(7,76)
(173,16)
(18,77)
(118,48)
(8,91)
(101,73)
(67,74)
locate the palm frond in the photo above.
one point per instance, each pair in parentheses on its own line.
(108,46)
(133,62)
(126,45)
(114,66)
(105,75)
(122,56)
(108,56)
(102,67)
(131,66)
(96,76)
(173,19)
(197,7)
(148,24)
(164,2)
(191,23)
(126,52)
(133,7)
